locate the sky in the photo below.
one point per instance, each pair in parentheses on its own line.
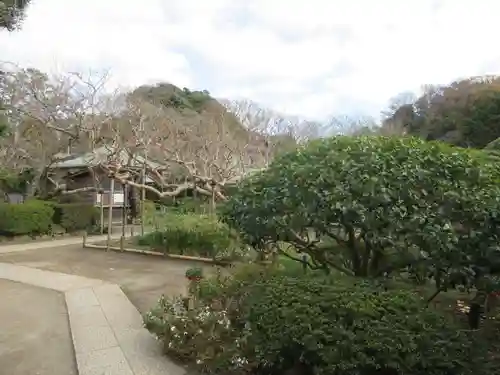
(311,58)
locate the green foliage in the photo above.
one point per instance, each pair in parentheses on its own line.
(194,272)
(464,113)
(75,217)
(493,145)
(492,151)
(12,182)
(11,13)
(196,98)
(224,288)
(151,216)
(32,217)
(192,234)
(168,95)
(192,108)
(369,206)
(194,335)
(375,330)
(478,122)
(154,212)
(261,321)
(3,128)
(187,205)
(292,267)
(204,334)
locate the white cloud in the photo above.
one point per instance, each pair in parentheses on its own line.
(312,58)
(82,35)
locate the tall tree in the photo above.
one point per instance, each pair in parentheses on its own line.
(11,13)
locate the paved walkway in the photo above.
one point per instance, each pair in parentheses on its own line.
(56,243)
(27,346)
(107,332)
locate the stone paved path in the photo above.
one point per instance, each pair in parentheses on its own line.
(54,243)
(143,278)
(35,337)
(107,332)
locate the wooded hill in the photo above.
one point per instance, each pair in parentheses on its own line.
(464,113)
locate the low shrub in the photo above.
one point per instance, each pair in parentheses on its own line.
(264,322)
(194,335)
(150,214)
(205,334)
(225,289)
(74,217)
(194,273)
(189,205)
(375,331)
(191,234)
(33,217)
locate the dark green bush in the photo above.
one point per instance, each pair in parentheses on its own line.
(192,234)
(369,206)
(337,327)
(32,217)
(264,322)
(76,216)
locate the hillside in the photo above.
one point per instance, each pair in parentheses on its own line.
(463,113)
(191,106)
(199,128)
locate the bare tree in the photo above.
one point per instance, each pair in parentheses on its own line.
(350,125)
(203,153)
(129,136)
(402,99)
(280,132)
(47,116)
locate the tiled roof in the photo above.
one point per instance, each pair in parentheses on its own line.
(102,155)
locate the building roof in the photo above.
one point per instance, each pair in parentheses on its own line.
(102,155)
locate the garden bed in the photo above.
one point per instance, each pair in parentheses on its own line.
(130,245)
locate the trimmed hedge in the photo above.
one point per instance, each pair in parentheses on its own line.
(74,217)
(270,323)
(32,217)
(36,217)
(192,234)
(373,331)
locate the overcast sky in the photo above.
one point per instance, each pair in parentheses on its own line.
(308,57)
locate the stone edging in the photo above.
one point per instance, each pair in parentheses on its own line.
(106,329)
(157,253)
